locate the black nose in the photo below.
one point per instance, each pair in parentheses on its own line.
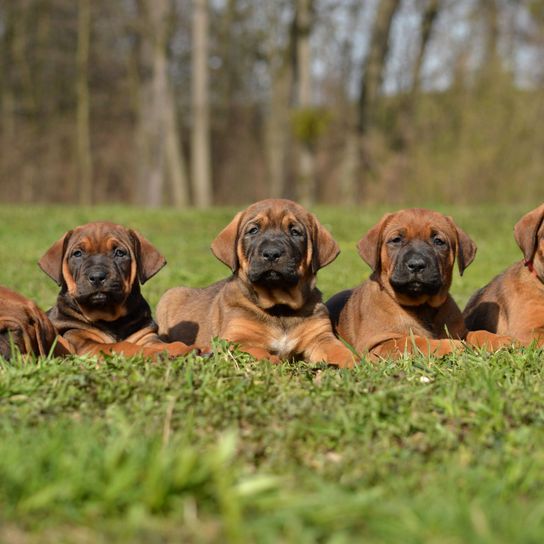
(271,252)
(416,264)
(97,277)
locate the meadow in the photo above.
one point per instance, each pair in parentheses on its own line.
(227,449)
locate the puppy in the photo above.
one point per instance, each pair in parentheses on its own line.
(513,302)
(100,309)
(270,305)
(405,305)
(24,326)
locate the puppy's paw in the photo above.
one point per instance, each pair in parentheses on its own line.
(488,340)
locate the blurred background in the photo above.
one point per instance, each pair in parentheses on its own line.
(194,103)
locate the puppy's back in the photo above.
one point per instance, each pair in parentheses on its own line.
(185,314)
(487,308)
(336,304)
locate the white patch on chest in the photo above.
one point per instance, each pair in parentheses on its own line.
(282,345)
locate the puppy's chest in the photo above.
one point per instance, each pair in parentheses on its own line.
(283,337)
(282,343)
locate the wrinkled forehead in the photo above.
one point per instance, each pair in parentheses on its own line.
(275,213)
(419,223)
(99,237)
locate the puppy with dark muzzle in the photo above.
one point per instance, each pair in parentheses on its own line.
(26,328)
(100,309)
(270,305)
(405,305)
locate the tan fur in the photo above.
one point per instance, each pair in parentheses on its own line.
(34,331)
(97,331)
(377,320)
(243,313)
(513,302)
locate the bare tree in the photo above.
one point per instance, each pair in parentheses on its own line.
(200,149)
(160,150)
(279,56)
(357,160)
(405,130)
(374,65)
(428,19)
(306,182)
(83,137)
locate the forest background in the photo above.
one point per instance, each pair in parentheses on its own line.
(180,103)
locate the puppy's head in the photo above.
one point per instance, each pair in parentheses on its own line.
(276,247)
(529,234)
(23,325)
(413,251)
(99,265)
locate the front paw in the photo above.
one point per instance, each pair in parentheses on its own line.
(169,350)
(334,354)
(488,340)
(177,349)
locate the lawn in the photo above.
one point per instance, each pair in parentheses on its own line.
(230,450)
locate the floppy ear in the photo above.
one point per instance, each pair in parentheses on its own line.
(324,246)
(44,333)
(51,261)
(466,249)
(224,245)
(525,232)
(369,245)
(148,258)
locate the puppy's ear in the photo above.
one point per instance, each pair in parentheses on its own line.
(224,245)
(48,340)
(51,261)
(43,333)
(370,244)
(324,246)
(526,230)
(466,249)
(148,258)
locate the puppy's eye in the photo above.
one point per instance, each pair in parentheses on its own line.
(295,231)
(439,242)
(395,240)
(77,253)
(254,229)
(120,252)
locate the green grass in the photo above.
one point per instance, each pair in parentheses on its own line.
(230,450)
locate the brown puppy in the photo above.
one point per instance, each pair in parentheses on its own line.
(513,302)
(100,309)
(25,326)
(405,304)
(270,306)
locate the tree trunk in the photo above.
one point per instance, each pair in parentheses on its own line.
(7,97)
(177,170)
(200,149)
(278,133)
(83,138)
(490,58)
(349,158)
(428,18)
(25,98)
(306,183)
(405,132)
(374,65)
(371,84)
(159,145)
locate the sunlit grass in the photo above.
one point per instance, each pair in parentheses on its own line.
(230,450)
